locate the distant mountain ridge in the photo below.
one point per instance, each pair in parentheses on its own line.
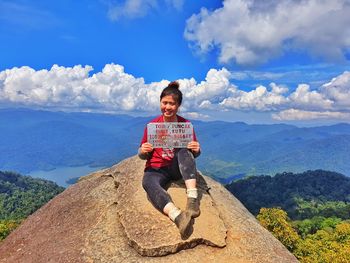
(39,140)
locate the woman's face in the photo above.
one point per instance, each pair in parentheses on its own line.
(169,107)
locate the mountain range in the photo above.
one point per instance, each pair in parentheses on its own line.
(43,140)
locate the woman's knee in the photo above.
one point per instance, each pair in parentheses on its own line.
(152,181)
(147,183)
(155,193)
(184,153)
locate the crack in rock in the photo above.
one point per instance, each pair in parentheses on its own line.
(150,232)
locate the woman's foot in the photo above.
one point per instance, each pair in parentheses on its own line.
(184,223)
(193,207)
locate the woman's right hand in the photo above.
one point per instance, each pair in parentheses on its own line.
(146,148)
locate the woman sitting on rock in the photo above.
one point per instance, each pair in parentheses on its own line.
(164,165)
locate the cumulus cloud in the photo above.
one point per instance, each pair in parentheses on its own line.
(214,89)
(73,88)
(304,98)
(259,99)
(114,90)
(338,90)
(253,31)
(330,101)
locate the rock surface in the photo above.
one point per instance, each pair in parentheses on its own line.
(99,220)
(144,225)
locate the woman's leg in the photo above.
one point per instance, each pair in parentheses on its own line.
(154,183)
(184,165)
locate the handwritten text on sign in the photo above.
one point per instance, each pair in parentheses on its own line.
(170,134)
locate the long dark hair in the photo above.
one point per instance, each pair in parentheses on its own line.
(173,90)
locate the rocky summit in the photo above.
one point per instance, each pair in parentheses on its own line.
(106,217)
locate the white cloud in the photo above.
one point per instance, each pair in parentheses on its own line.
(215,88)
(195,116)
(302,97)
(109,90)
(330,101)
(114,90)
(72,88)
(338,90)
(295,114)
(259,99)
(254,31)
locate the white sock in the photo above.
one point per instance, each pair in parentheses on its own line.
(174,212)
(192,192)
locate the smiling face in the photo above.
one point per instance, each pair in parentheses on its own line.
(169,108)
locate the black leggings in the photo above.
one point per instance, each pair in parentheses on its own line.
(155,180)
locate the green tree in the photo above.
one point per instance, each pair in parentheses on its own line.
(311,226)
(20,196)
(277,222)
(7,226)
(302,195)
(326,246)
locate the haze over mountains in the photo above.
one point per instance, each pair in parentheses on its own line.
(43,140)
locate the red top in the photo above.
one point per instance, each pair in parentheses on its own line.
(161,157)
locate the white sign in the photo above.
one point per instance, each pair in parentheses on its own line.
(170,134)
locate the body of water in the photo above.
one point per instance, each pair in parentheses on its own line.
(62,174)
(229,179)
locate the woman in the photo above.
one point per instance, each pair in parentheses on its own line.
(164,165)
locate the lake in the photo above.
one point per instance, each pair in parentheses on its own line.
(229,179)
(62,174)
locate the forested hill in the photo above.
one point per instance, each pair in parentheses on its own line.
(41,140)
(302,195)
(21,195)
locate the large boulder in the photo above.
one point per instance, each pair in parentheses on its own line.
(106,217)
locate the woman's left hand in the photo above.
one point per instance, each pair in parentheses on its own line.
(194,146)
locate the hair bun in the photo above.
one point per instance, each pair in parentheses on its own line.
(174,84)
(172,90)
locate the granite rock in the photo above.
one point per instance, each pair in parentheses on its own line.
(106,217)
(152,233)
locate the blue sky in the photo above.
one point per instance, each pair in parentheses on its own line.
(236,60)
(149,45)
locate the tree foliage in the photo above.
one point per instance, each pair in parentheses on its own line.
(277,222)
(303,195)
(6,226)
(326,245)
(20,196)
(317,201)
(330,242)
(311,226)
